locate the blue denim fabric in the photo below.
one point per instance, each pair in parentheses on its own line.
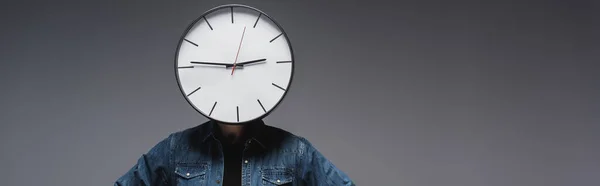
(271,157)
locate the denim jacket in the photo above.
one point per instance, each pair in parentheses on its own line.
(272,156)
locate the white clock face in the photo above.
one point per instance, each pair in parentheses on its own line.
(234,64)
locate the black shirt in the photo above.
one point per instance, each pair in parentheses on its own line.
(233,164)
(232,154)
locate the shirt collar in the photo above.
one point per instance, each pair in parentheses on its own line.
(255,130)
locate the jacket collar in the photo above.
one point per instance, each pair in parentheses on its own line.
(255,129)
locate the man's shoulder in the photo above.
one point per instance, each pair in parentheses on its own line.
(191,134)
(276,132)
(197,130)
(277,137)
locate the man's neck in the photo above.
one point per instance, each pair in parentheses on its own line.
(232,132)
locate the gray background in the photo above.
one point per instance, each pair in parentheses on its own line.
(418,93)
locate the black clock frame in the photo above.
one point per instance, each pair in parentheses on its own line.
(181,40)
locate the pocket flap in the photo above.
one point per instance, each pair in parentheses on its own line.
(190,171)
(278,176)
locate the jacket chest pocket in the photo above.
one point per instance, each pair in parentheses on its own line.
(277,176)
(191,174)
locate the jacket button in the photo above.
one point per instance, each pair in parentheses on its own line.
(245,161)
(187,174)
(218,181)
(278,181)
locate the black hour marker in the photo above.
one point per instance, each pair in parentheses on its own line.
(186,67)
(284,61)
(238,113)
(206,20)
(213,108)
(275,38)
(257,20)
(191,42)
(261,105)
(278,86)
(193,91)
(232,14)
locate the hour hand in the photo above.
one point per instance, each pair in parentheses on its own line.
(226,65)
(250,62)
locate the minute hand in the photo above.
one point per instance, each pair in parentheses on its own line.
(212,63)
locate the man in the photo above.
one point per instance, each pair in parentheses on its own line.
(242,155)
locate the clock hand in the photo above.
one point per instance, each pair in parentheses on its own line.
(212,63)
(238,52)
(250,62)
(229,65)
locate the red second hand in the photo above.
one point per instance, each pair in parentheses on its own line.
(238,52)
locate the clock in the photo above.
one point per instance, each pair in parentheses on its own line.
(234,64)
